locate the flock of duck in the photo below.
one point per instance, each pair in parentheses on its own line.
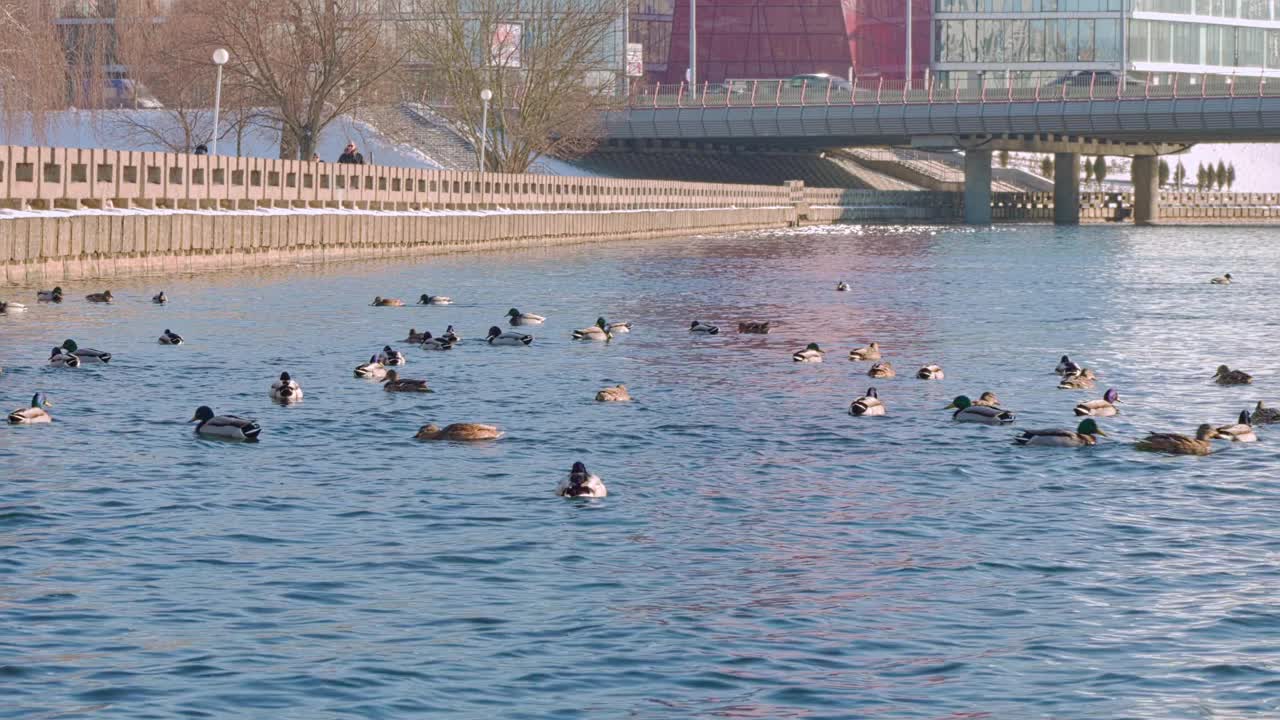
(581,483)
(987,410)
(381,367)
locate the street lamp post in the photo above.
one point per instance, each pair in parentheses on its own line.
(909,48)
(693,48)
(485,96)
(220,58)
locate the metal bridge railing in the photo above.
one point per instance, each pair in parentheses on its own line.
(879,91)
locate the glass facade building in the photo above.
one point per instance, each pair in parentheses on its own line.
(962,42)
(997,41)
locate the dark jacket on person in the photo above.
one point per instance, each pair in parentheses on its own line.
(351,158)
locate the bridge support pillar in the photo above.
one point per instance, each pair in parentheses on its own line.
(1066,188)
(977,187)
(1146,190)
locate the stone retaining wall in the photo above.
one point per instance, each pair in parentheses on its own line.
(83,246)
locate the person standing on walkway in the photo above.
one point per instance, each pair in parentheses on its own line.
(351,156)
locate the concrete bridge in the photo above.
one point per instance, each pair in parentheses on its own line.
(1084,116)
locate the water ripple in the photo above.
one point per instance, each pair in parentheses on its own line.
(761,553)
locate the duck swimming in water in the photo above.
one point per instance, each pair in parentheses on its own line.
(451,336)
(1221,280)
(811,354)
(1174,444)
(1240,431)
(1085,434)
(1227,376)
(389,356)
(882,370)
(842,286)
(753,328)
(11,307)
(1066,366)
(395,383)
(33,414)
(436,343)
(462,432)
(426,299)
(868,405)
(617,393)
(54,295)
(227,427)
(1263,415)
(967,412)
(159,298)
(987,399)
(519,318)
(869,353)
(102,297)
(169,337)
(697,326)
(86,355)
(617,327)
(286,389)
(597,332)
(581,483)
(60,357)
(416,337)
(372,370)
(380,301)
(1106,407)
(930,372)
(497,337)
(1082,379)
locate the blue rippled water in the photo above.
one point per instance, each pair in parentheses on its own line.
(761,554)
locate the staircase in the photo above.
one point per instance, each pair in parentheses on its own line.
(449,147)
(419,127)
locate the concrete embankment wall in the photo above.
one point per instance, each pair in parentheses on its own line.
(79,214)
(1209,208)
(49,249)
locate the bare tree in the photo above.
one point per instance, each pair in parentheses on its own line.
(167,51)
(550,64)
(306,62)
(33,68)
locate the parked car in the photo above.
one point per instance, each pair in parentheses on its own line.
(124,93)
(819,82)
(1084,79)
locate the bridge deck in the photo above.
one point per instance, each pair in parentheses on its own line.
(1196,110)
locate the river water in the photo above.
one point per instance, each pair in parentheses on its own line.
(761,553)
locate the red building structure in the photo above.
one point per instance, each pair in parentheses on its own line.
(757,39)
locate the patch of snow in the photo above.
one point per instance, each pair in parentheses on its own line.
(108,129)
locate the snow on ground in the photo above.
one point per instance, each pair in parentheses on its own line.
(1257,164)
(107,129)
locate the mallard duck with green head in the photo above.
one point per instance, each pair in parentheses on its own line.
(598,332)
(521,318)
(33,414)
(810,354)
(967,412)
(1085,434)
